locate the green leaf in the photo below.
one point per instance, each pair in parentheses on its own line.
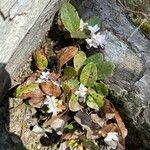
(88,74)
(94,20)
(101,88)
(40,60)
(73,103)
(70,17)
(70,126)
(91,103)
(69,85)
(73,84)
(26,88)
(105,70)
(95,99)
(88,144)
(72,143)
(69,72)
(79,35)
(78,60)
(95,58)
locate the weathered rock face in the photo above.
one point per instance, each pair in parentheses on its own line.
(129,49)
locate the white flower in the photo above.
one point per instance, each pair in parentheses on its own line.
(112,140)
(43,77)
(96,40)
(82,91)
(82,24)
(51,103)
(93,29)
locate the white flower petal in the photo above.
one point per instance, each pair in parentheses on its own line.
(93,29)
(82,24)
(96,40)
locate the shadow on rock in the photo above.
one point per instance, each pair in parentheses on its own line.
(8,141)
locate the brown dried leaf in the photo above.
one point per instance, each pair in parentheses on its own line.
(55,75)
(36,101)
(50,88)
(108,128)
(69,136)
(28,90)
(96,119)
(32,78)
(109,108)
(66,54)
(121,125)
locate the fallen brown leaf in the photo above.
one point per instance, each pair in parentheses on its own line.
(36,101)
(109,108)
(108,128)
(32,78)
(32,94)
(54,75)
(65,54)
(50,88)
(70,136)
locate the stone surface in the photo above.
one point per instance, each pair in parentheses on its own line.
(23,25)
(129,49)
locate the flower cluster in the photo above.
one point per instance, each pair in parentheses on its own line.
(96,38)
(43,77)
(54,105)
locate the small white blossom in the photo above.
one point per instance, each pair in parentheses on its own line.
(82,24)
(51,103)
(96,40)
(43,77)
(93,29)
(82,91)
(112,140)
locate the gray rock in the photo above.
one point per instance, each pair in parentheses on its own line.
(129,49)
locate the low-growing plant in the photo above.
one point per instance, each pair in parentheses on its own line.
(74,87)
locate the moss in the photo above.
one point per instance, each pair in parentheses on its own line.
(145,27)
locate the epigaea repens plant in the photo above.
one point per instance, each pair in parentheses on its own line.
(71,96)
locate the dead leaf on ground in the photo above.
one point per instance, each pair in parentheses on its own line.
(30,90)
(54,75)
(108,128)
(109,108)
(50,88)
(96,119)
(36,101)
(65,54)
(32,78)
(69,136)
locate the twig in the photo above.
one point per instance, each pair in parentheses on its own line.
(133,11)
(136,29)
(23,122)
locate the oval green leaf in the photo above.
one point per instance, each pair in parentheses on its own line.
(70,17)
(40,60)
(95,99)
(69,72)
(88,74)
(101,88)
(78,60)
(73,103)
